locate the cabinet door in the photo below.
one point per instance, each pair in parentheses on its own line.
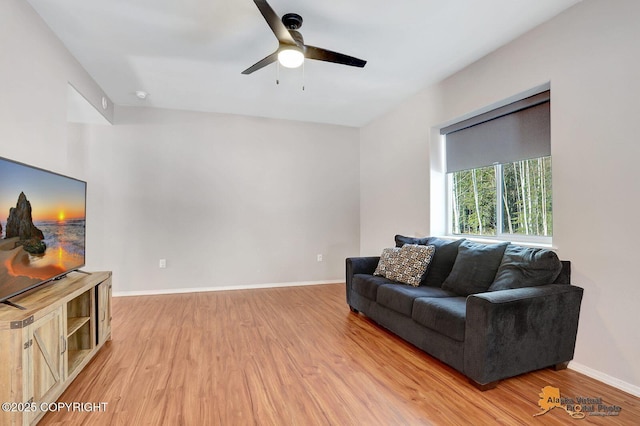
(104,311)
(46,345)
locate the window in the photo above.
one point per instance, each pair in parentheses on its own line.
(499,173)
(504,200)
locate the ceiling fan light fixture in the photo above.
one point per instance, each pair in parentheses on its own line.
(291,57)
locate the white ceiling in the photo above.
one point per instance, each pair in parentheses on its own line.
(188,54)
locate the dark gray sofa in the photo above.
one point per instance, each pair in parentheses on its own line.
(521,323)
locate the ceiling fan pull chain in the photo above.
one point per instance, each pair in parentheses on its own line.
(277,72)
(303,76)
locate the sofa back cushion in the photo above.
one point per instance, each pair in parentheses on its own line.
(475,267)
(402,240)
(443,258)
(564,277)
(526,267)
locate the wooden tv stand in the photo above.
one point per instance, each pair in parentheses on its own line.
(44,347)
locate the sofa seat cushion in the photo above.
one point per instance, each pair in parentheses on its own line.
(444,315)
(400,297)
(367,285)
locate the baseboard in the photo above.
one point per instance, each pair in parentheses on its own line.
(605,378)
(222,288)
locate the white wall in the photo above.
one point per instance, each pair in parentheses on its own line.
(394,173)
(590,56)
(226,200)
(35,69)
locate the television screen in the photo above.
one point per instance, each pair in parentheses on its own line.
(42,226)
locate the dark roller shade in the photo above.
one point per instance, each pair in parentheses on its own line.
(514,132)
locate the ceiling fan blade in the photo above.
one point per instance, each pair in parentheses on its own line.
(312,52)
(262,63)
(273,20)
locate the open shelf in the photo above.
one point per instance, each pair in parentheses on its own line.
(80,329)
(74,324)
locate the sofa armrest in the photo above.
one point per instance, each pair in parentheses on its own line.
(362,265)
(511,332)
(359,265)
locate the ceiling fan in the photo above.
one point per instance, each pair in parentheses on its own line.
(291,50)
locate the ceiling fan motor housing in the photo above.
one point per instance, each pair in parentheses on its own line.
(292,21)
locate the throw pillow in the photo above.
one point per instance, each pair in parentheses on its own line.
(443,260)
(475,267)
(526,267)
(407,264)
(388,260)
(444,257)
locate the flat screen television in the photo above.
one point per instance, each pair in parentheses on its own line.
(42,220)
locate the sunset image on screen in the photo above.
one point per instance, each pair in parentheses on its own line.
(42,220)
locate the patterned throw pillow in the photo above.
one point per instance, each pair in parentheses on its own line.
(388,260)
(406,264)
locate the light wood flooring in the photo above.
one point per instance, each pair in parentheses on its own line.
(294,356)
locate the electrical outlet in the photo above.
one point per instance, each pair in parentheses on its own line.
(319,258)
(162,263)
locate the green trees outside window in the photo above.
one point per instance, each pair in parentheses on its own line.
(512,198)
